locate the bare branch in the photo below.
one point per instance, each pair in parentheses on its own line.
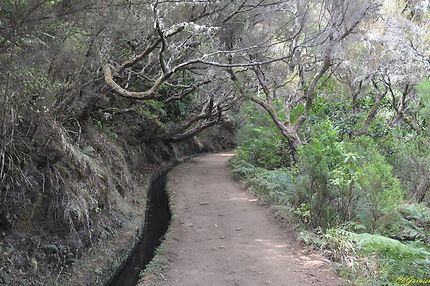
(169,33)
(149,94)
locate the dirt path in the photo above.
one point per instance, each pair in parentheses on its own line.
(222,236)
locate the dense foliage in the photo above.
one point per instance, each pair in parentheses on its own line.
(358,196)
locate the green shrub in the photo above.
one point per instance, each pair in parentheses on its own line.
(241,169)
(342,181)
(317,160)
(338,111)
(409,223)
(267,152)
(376,258)
(410,159)
(260,143)
(275,186)
(423,90)
(380,191)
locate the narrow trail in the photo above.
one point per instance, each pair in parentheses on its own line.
(221,235)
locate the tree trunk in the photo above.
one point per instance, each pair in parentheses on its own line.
(372,115)
(288,131)
(422,189)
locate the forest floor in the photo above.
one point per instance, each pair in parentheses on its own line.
(223,235)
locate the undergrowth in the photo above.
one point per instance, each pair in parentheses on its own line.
(361,257)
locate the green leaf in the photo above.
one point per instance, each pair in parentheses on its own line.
(296,112)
